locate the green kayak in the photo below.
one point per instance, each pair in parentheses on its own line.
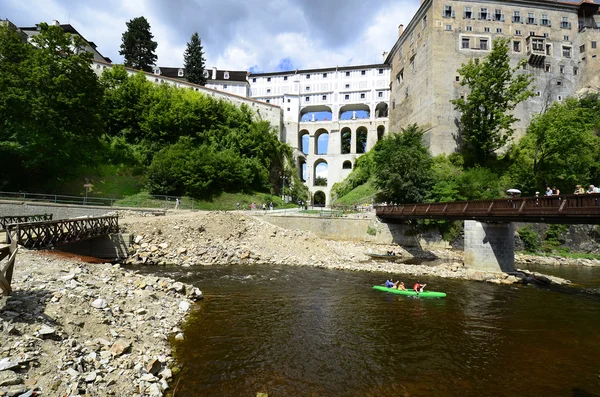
(410,292)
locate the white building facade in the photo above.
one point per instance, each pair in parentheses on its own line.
(331,117)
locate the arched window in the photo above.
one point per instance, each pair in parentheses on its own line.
(361,140)
(346,136)
(347,165)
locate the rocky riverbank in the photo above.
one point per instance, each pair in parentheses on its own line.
(72,328)
(205,238)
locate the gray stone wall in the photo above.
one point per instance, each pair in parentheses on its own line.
(58,211)
(489,246)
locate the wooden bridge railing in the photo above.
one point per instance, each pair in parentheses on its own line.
(50,233)
(5,220)
(569,209)
(8,252)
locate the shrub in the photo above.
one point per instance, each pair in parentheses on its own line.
(530,239)
(371,231)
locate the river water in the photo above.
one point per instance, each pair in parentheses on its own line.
(291,331)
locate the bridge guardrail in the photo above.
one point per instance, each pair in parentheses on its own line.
(46,234)
(5,220)
(580,208)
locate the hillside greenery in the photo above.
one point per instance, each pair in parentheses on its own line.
(64,126)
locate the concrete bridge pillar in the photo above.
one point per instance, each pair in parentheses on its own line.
(489,246)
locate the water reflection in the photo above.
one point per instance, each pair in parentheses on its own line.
(311,332)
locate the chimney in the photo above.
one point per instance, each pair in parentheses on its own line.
(400,30)
(56,23)
(214,73)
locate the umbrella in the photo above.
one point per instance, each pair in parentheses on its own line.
(513,191)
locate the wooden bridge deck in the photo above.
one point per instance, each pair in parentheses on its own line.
(567,209)
(45,234)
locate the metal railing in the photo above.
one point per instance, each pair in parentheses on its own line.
(567,209)
(149,201)
(5,220)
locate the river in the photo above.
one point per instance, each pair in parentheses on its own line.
(293,331)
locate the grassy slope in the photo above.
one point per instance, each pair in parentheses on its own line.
(359,195)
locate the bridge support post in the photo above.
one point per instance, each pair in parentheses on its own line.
(489,246)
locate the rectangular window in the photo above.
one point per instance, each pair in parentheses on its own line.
(424,22)
(517,32)
(412,38)
(562,68)
(532,33)
(498,15)
(347,86)
(516,17)
(566,38)
(575,71)
(468,13)
(483,14)
(324,75)
(546,35)
(254,80)
(285,78)
(593,44)
(531,18)
(537,45)
(224,86)
(412,64)
(362,96)
(380,71)
(268,101)
(268,90)
(487,30)
(465,42)
(566,52)
(448,27)
(545,21)
(288,109)
(498,30)
(547,67)
(289,100)
(363,72)
(307,88)
(400,77)
(516,46)
(564,23)
(268,79)
(483,44)
(380,94)
(469,28)
(346,97)
(324,97)
(347,74)
(307,99)
(582,48)
(548,49)
(308,76)
(448,12)
(457,78)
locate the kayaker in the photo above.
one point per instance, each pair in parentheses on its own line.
(418,287)
(390,283)
(401,286)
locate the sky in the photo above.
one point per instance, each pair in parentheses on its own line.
(254,35)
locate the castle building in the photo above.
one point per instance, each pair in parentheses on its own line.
(232,81)
(558,39)
(331,116)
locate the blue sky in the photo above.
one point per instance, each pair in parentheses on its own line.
(257,35)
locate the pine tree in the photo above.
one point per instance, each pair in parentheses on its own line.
(138,47)
(194,61)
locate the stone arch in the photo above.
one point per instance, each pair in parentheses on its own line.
(380,132)
(302,168)
(346,140)
(347,165)
(355,111)
(361,139)
(319,199)
(316,113)
(320,173)
(303,141)
(381,110)
(321,141)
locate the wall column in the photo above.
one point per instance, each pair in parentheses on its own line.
(489,246)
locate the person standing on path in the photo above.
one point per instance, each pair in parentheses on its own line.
(177,203)
(271,206)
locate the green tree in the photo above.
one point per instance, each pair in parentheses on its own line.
(193,61)
(560,147)
(486,112)
(138,47)
(402,166)
(50,108)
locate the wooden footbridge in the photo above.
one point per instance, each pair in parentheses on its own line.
(40,231)
(567,209)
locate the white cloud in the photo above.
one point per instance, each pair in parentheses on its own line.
(309,33)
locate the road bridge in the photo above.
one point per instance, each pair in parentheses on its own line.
(489,229)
